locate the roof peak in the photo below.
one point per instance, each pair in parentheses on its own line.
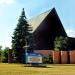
(48,11)
(36,20)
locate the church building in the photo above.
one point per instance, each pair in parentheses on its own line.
(46,27)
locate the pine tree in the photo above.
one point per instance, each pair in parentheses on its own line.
(20,36)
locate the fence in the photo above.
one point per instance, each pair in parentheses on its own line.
(59,57)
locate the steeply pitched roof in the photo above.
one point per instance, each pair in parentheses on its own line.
(46,27)
(35,21)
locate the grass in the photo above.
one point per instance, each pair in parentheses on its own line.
(52,69)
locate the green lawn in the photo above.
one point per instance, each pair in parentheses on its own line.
(20,69)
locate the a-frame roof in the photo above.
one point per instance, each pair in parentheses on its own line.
(46,27)
(36,21)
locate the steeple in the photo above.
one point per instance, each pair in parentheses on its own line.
(23,13)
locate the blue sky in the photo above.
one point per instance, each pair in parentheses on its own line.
(10,10)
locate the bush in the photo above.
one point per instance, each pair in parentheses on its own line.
(47,59)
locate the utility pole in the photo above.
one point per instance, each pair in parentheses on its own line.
(26,48)
(25,36)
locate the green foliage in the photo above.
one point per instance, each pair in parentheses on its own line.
(61,43)
(5,54)
(0,50)
(21,35)
(47,59)
(0,47)
(0,53)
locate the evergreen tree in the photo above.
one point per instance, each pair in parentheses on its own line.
(21,35)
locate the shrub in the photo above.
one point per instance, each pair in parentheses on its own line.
(47,59)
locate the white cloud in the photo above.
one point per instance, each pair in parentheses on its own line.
(70,32)
(7,1)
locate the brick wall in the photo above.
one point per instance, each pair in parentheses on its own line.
(64,57)
(72,57)
(44,52)
(56,57)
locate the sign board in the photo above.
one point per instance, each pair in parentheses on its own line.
(34,58)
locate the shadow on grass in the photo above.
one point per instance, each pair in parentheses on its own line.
(38,66)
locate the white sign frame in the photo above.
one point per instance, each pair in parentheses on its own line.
(35,58)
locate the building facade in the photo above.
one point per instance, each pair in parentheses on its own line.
(46,27)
